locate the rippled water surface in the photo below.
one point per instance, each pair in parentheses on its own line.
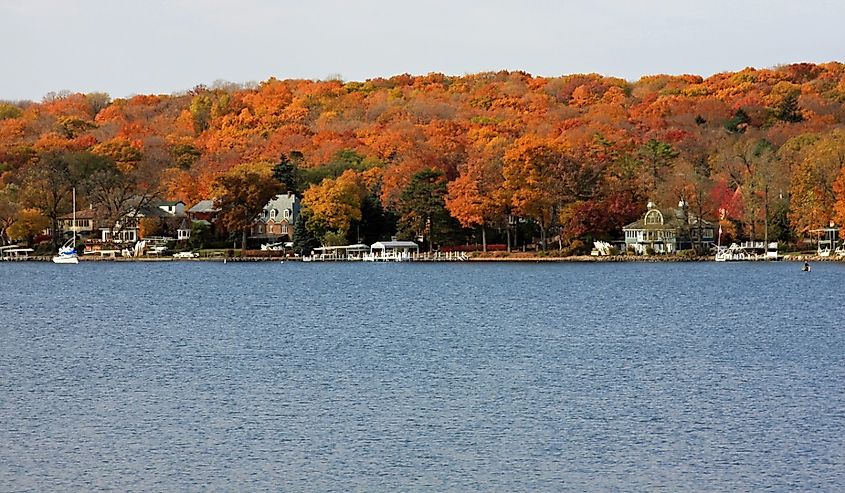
(407,377)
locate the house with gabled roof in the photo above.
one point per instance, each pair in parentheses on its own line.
(668,230)
(129,225)
(87,222)
(277,219)
(204,210)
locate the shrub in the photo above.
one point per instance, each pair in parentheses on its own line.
(576,247)
(262,253)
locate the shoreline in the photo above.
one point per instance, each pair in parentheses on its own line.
(479,259)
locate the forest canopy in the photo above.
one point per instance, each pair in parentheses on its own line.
(576,156)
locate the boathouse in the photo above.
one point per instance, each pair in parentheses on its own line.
(392,251)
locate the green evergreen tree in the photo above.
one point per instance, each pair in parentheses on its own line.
(423,205)
(304,239)
(287,172)
(739,122)
(788,109)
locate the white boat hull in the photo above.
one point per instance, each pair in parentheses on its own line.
(65,259)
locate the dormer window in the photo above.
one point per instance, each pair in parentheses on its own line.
(273,214)
(286,213)
(653,217)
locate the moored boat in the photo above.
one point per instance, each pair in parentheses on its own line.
(67,253)
(748,251)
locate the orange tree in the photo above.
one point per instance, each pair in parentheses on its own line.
(242,194)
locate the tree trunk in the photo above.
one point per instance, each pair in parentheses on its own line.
(543,233)
(56,243)
(766,217)
(243,238)
(699,220)
(754,229)
(508,232)
(483,239)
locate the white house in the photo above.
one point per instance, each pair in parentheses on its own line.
(667,231)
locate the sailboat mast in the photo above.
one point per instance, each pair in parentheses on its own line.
(74,215)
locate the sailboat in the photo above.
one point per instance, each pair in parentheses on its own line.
(67,253)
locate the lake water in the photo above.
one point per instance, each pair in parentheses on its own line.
(421,377)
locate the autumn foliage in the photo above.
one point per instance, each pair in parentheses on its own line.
(572,157)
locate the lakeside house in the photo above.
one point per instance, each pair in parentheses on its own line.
(277,219)
(128,226)
(204,210)
(668,230)
(827,241)
(87,223)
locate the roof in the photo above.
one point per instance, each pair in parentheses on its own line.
(358,247)
(672,219)
(169,203)
(19,250)
(385,245)
(82,214)
(154,211)
(186,225)
(206,205)
(280,203)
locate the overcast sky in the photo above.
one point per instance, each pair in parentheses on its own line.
(163,46)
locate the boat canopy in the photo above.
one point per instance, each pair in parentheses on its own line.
(394,245)
(358,247)
(15,251)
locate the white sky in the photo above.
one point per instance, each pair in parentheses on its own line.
(162,46)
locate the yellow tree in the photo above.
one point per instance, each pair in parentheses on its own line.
(9,209)
(812,193)
(29,223)
(839,205)
(336,202)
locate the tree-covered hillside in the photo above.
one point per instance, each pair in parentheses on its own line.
(572,157)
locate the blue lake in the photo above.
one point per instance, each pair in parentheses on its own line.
(421,377)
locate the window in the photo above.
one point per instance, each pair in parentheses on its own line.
(284,229)
(653,217)
(273,214)
(286,214)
